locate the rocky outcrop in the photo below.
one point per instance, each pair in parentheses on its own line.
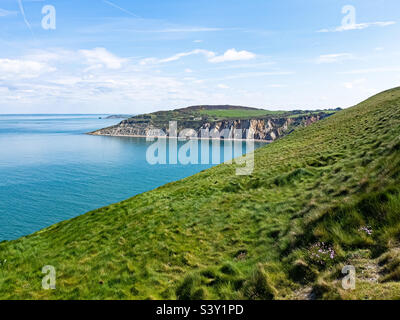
(266,129)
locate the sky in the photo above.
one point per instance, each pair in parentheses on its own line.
(130,56)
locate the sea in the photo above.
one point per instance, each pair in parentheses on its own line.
(51,170)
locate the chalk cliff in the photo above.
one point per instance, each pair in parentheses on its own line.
(267,129)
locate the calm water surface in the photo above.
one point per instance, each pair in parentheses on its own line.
(51,171)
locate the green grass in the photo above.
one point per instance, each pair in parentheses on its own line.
(239,113)
(311,113)
(252,113)
(197,117)
(216,235)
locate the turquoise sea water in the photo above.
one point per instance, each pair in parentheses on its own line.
(51,171)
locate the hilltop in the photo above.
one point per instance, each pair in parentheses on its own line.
(325,196)
(266,125)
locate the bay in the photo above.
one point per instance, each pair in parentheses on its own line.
(50,170)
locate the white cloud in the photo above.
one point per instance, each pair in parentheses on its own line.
(178,30)
(351,84)
(332,58)
(255,74)
(100,57)
(177,56)
(198,41)
(187,29)
(359,26)
(233,55)
(4,13)
(106,86)
(121,9)
(223,86)
(51,55)
(371,70)
(14,68)
(188,70)
(229,55)
(67,80)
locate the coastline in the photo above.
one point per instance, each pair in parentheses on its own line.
(181,139)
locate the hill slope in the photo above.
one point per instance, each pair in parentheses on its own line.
(325,196)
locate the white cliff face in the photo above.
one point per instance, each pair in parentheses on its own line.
(262,129)
(258,129)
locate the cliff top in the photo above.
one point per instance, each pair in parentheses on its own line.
(226,112)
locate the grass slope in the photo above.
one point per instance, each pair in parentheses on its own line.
(218,235)
(193,117)
(238,113)
(248,114)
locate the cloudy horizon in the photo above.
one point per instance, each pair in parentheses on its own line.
(132,57)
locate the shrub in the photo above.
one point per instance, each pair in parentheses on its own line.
(229,269)
(258,287)
(301,272)
(191,288)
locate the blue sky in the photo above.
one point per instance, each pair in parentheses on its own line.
(119,56)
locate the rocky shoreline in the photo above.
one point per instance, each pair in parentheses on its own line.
(183,138)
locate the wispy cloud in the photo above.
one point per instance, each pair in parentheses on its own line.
(222,86)
(100,57)
(21,8)
(178,56)
(359,26)
(371,70)
(233,55)
(133,24)
(4,13)
(120,8)
(185,29)
(90,78)
(352,84)
(333,58)
(244,75)
(22,69)
(229,55)
(36,82)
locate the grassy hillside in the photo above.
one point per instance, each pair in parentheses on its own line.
(237,114)
(254,113)
(193,116)
(322,197)
(266,125)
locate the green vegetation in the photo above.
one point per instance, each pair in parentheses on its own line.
(254,113)
(325,196)
(193,117)
(296,114)
(267,125)
(238,113)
